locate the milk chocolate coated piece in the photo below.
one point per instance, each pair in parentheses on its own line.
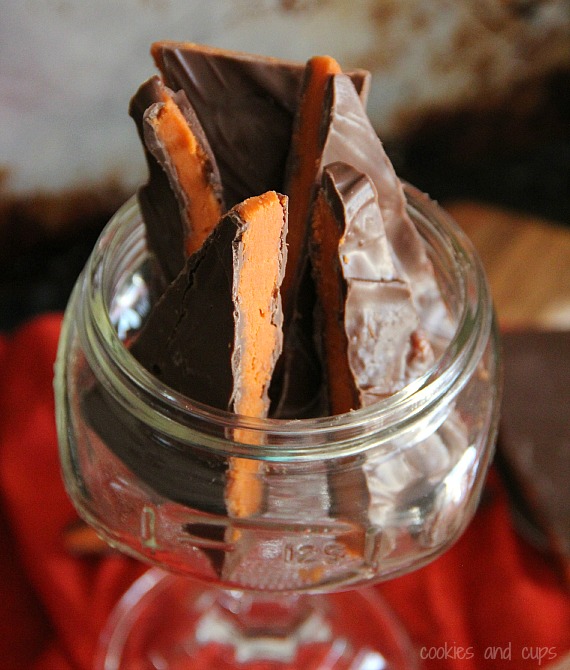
(350,138)
(344,134)
(370,337)
(534,440)
(182,201)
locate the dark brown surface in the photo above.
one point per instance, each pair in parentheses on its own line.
(534,444)
(246,106)
(355,275)
(188,339)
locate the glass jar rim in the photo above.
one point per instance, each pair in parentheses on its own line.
(179,417)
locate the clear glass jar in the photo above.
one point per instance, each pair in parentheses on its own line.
(346,500)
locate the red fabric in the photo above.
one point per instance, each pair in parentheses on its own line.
(489,595)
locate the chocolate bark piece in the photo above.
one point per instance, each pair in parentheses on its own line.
(222,314)
(370,326)
(156,199)
(302,166)
(345,134)
(246,105)
(175,138)
(190,477)
(259,266)
(215,335)
(304,162)
(533,451)
(182,200)
(304,159)
(296,387)
(350,138)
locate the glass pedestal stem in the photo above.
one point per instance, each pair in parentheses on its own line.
(168,622)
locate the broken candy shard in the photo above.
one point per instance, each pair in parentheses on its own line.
(296,389)
(159,207)
(342,132)
(215,333)
(350,138)
(303,162)
(258,273)
(297,382)
(182,202)
(246,105)
(171,133)
(257,277)
(369,321)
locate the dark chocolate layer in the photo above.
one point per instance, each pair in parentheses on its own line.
(296,389)
(534,440)
(189,477)
(167,230)
(188,339)
(246,106)
(159,206)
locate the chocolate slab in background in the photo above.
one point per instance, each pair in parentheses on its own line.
(534,443)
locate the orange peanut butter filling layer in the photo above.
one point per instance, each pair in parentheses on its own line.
(258,335)
(304,159)
(188,161)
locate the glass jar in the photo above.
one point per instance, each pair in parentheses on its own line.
(345,500)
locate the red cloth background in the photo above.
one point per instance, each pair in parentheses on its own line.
(490,594)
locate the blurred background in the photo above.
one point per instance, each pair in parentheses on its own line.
(471,98)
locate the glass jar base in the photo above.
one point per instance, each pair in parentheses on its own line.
(169,622)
